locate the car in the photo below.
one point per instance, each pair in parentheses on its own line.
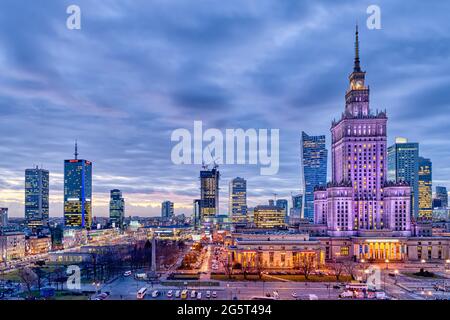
(294,295)
(336,287)
(199,296)
(169,294)
(177,294)
(208,294)
(127,273)
(193,294)
(184,294)
(103,296)
(155,293)
(214,294)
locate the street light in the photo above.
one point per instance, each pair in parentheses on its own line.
(423,261)
(387,263)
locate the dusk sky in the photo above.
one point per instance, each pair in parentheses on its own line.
(137,70)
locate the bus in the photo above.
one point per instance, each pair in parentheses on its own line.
(141,293)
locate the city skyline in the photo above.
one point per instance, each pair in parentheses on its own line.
(281,80)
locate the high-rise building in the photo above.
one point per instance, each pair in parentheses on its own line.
(283,204)
(425,189)
(167,210)
(269,217)
(296,210)
(314,170)
(36,197)
(209,193)
(116,209)
(238,200)
(3,217)
(359,198)
(403,166)
(77,192)
(442,196)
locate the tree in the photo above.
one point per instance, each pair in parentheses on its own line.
(350,268)
(28,277)
(337,268)
(228,267)
(306,264)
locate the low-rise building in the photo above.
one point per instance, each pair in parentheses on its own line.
(37,245)
(12,246)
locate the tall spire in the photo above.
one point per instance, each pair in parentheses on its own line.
(76,150)
(356,67)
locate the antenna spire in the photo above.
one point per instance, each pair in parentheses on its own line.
(356,67)
(76,150)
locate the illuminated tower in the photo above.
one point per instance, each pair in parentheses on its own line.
(355,199)
(209,193)
(238,200)
(425,189)
(77,192)
(116,209)
(36,197)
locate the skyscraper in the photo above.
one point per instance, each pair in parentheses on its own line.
(359,198)
(283,204)
(196,207)
(3,217)
(167,210)
(442,195)
(425,189)
(296,210)
(238,200)
(116,209)
(36,197)
(209,193)
(314,168)
(403,165)
(77,192)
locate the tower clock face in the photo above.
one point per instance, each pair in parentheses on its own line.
(359,83)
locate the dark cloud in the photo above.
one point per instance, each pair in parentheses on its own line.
(140,69)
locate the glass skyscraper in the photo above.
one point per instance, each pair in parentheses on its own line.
(283,204)
(36,197)
(238,200)
(403,165)
(116,208)
(167,210)
(209,193)
(314,168)
(442,196)
(425,189)
(77,193)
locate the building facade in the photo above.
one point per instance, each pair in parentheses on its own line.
(209,193)
(3,217)
(77,193)
(36,197)
(238,200)
(167,211)
(314,157)
(116,209)
(270,217)
(12,246)
(425,190)
(403,166)
(442,196)
(358,197)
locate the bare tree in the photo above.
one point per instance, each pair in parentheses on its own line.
(338,268)
(306,264)
(350,267)
(28,277)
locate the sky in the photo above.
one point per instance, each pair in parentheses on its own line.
(137,70)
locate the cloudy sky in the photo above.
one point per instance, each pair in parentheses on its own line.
(137,70)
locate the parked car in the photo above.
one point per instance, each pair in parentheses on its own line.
(208,294)
(214,294)
(346,294)
(199,296)
(193,294)
(169,294)
(127,273)
(177,294)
